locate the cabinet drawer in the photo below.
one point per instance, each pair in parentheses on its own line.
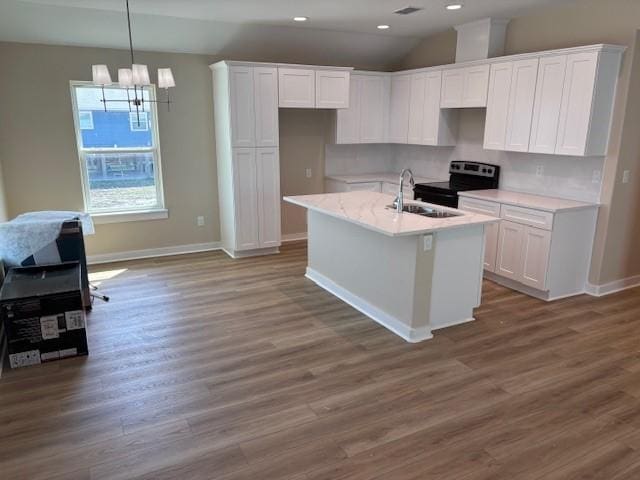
(480,206)
(527,216)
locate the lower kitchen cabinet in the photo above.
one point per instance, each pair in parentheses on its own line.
(251,221)
(546,254)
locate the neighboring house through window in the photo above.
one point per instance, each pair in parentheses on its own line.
(118,149)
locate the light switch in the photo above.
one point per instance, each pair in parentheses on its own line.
(539,171)
(200,221)
(308,173)
(596,177)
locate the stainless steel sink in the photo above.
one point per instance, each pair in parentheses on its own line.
(427,211)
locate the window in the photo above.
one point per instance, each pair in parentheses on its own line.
(118,149)
(138,121)
(85,120)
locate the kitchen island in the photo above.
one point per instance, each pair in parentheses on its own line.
(410,273)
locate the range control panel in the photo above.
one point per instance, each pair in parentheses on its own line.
(474,168)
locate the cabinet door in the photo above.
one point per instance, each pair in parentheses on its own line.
(491,231)
(296,88)
(452,87)
(577,101)
(268,192)
(332,89)
(245,198)
(374,108)
(476,84)
(399,109)
(495,127)
(509,261)
(242,107)
(416,108)
(266,106)
(546,106)
(437,124)
(535,257)
(348,119)
(521,97)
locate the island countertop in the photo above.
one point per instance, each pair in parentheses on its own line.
(369,210)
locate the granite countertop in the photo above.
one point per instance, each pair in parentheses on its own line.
(528,200)
(377,177)
(369,210)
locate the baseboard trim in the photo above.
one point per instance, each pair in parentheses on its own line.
(152,252)
(412,335)
(613,287)
(294,237)
(237,254)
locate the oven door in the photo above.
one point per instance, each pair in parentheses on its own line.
(449,199)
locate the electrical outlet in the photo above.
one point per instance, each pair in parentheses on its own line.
(539,170)
(200,221)
(596,177)
(626,176)
(308,172)
(428,242)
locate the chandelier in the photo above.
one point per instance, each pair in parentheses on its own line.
(133,79)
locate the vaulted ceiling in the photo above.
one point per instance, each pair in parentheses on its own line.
(343,31)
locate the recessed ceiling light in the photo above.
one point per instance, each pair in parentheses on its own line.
(383,27)
(453,6)
(300,19)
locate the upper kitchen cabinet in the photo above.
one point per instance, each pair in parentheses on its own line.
(399,109)
(332,89)
(465,87)
(253,94)
(296,88)
(365,120)
(574,101)
(428,123)
(510,105)
(301,87)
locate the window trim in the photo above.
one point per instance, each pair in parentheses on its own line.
(125,212)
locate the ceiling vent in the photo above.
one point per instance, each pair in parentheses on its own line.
(408,10)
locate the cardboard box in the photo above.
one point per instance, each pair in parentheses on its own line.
(43,314)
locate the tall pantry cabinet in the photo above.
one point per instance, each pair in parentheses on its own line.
(246,124)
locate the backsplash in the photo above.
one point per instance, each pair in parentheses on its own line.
(562,176)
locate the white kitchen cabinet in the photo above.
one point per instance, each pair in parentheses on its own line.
(509,256)
(245,199)
(268,195)
(452,87)
(439,126)
(546,107)
(417,85)
(476,83)
(399,109)
(265,80)
(521,97)
(332,89)
(542,253)
(242,106)
(465,87)
(365,120)
(536,245)
(491,231)
(374,108)
(348,119)
(495,127)
(246,114)
(510,105)
(574,102)
(296,88)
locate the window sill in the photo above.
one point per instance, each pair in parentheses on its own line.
(122,217)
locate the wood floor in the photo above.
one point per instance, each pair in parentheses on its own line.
(202,367)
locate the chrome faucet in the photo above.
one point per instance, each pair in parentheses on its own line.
(399,201)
